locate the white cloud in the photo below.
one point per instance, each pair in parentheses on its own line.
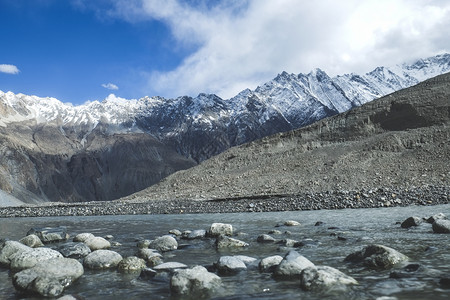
(9,69)
(110,86)
(240,44)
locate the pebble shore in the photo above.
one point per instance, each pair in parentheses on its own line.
(380,197)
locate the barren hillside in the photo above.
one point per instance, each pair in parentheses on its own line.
(401,140)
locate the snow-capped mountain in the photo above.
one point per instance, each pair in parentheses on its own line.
(200,127)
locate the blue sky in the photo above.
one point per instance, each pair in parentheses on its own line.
(79,50)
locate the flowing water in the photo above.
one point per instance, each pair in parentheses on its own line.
(360,227)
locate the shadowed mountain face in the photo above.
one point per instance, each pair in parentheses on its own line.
(401,140)
(42,163)
(51,151)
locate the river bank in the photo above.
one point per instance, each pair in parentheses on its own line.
(374,198)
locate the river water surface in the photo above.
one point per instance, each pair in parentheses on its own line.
(355,227)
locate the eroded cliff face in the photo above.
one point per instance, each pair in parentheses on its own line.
(50,163)
(401,140)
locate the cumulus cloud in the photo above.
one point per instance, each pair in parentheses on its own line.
(240,44)
(110,86)
(9,69)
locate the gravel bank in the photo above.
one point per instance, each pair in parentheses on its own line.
(381,197)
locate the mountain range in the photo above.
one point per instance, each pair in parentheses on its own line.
(398,142)
(52,151)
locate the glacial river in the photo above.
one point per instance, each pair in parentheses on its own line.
(357,227)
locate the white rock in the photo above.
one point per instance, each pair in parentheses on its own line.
(81,237)
(49,278)
(11,248)
(97,243)
(195,281)
(29,258)
(164,243)
(102,259)
(267,264)
(217,229)
(292,265)
(323,278)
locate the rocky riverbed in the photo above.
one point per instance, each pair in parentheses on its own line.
(372,198)
(399,253)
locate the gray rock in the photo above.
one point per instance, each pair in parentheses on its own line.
(169,266)
(97,243)
(81,237)
(32,241)
(230,265)
(288,242)
(50,234)
(143,244)
(291,223)
(131,264)
(102,259)
(164,243)
(152,257)
(439,216)
(292,266)
(324,278)
(194,282)
(274,231)
(175,232)
(185,234)
(247,260)
(218,229)
(268,264)
(108,237)
(307,243)
(441,226)
(411,221)
(11,248)
(227,242)
(74,250)
(196,234)
(29,258)
(265,238)
(377,257)
(49,278)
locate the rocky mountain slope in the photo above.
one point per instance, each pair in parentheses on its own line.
(51,151)
(400,140)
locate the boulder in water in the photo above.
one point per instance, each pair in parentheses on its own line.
(230,265)
(49,278)
(377,257)
(217,229)
(50,234)
(195,282)
(227,242)
(102,259)
(74,250)
(32,241)
(324,278)
(29,258)
(411,221)
(81,237)
(97,243)
(268,264)
(131,264)
(9,250)
(164,243)
(441,226)
(292,266)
